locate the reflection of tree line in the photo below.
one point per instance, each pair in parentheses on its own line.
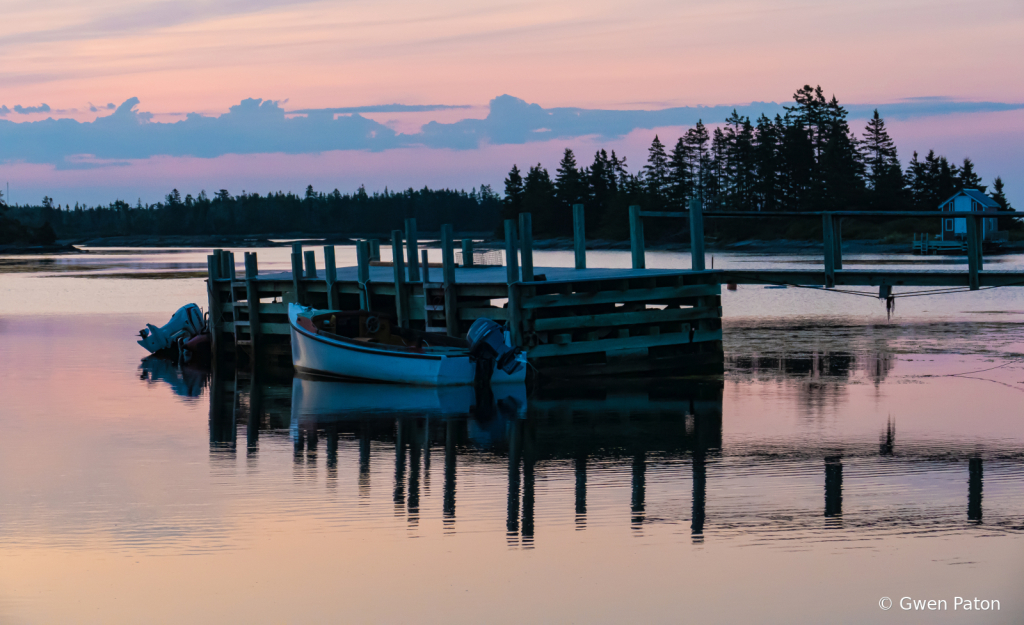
(681,423)
(817,364)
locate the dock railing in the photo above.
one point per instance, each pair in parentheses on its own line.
(832,236)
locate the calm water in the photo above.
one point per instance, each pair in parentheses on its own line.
(838,461)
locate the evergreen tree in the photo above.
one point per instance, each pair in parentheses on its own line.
(680,176)
(570,188)
(656,175)
(698,155)
(539,198)
(968,178)
(1005,223)
(885,181)
(513,204)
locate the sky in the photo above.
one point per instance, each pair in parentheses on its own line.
(118,99)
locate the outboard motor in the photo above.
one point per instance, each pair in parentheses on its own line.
(186,323)
(487,343)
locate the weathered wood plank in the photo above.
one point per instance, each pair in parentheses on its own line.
(526,245)
(633,342)
(265,328)
(627,318)
(616,297)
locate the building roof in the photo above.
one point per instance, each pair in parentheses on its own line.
(975,195)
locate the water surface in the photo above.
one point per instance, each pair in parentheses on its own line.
(842,458)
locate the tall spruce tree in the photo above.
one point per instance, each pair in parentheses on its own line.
(570,188)
(656,175)
(513,204)
(968,178)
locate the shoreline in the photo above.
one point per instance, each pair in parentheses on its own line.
(750,246)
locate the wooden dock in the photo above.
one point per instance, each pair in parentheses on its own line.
(572,322)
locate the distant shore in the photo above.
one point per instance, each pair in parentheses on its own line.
(751,246)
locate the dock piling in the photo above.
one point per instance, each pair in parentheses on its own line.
(412,249)
(511,255)
(374,249)
(297,273)
(401,294)
(837,248)
(212,270)
(310,256)
(636,237)
(696,235)
(828,236)
(579,236)
(363,273)
(252,299)
(331,273)
(425,263)
(467,252)
(973,253)
(526,245)
(451,305)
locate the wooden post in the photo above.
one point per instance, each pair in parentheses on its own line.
(526,244)
(231,266)
(412,249)
(511,255)
(212,269)
(426,268)
(828,234)
(374,249)
(467,252)
(310,264)
(636,237)
(331,273)
(696,235)
(451,304)
(579,236)
(515,317)
(401,302)
(363,273)
(300,297)
(252,298)
(837,250)
(973,253)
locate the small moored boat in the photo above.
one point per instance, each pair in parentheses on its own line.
(369,346)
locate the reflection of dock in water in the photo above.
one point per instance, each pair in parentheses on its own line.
(630,431)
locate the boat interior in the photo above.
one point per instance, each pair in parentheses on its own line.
(379,329)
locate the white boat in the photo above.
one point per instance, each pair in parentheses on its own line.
(364,346)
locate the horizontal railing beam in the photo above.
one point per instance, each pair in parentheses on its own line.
(633,342)
(627,318)
(755,214)
(615,297)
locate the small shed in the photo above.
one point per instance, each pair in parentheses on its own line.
(969,200)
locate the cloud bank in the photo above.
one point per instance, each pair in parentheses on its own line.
(256,126)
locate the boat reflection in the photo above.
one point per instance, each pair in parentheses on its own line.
(186,380)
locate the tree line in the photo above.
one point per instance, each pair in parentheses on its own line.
(274,213)
(807,159)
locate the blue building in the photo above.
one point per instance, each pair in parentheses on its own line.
(973,200)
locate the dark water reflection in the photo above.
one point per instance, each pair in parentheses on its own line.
(627,429)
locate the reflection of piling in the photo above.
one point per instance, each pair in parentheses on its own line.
(639,489)
(700,485)
(833,486)
(450,460)
(581,491)
(364,460)
(529,460)
(514,454)
(413,503)
(974,483)
(399,493)
(252,426)
(888,444)
(331,434)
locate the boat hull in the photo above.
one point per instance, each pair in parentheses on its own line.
(353,360)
